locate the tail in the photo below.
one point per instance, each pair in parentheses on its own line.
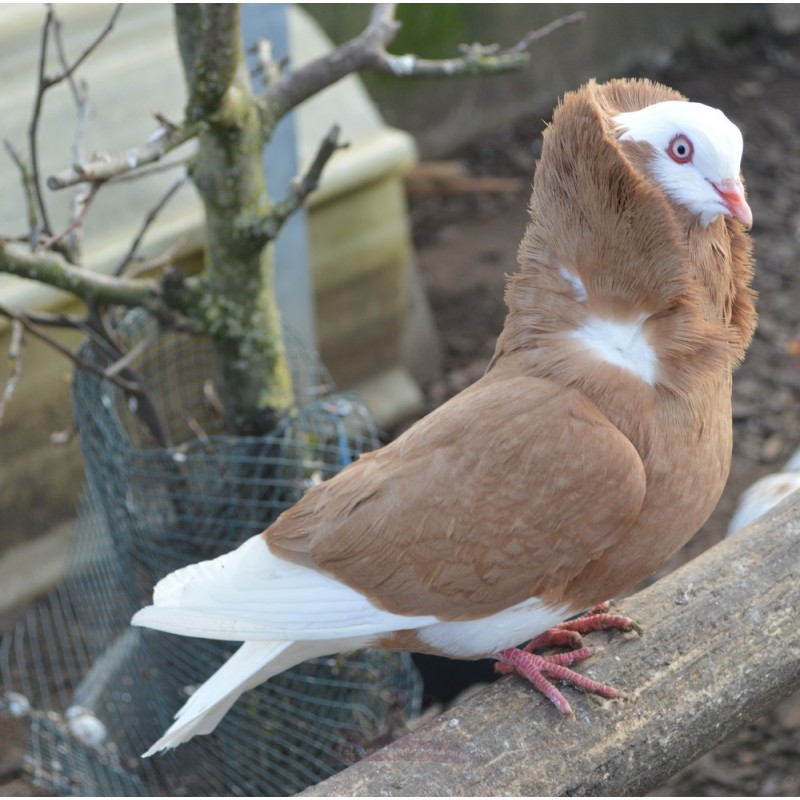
(252,664)
(283,612)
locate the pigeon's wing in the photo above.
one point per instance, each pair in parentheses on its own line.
(507,491)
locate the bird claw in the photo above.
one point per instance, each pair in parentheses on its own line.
(568,634)
(538,668)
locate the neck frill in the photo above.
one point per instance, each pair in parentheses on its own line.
(598,217)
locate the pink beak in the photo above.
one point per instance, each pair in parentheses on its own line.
(732,193)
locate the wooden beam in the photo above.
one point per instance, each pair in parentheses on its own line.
(721,647)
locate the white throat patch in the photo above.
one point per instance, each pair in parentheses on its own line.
(623,344)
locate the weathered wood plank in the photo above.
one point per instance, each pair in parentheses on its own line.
(721,646)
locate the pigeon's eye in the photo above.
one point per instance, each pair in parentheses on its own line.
(681,149)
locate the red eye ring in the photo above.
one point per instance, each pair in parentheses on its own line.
(680,149)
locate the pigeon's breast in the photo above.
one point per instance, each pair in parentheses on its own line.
(620,343)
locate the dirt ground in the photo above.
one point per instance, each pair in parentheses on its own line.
(467,242)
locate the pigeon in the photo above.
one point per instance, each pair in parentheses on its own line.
(595,445)
(765,494)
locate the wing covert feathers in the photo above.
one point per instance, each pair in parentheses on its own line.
(504,493)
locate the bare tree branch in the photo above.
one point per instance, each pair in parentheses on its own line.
(57,320)
(132,354)
(160,261)
(43,84)
(56,271)
(28,190)
(81,205)
(147,171)
(171,302)
(476,59)
(152,215)
(540,33)
(268,68)
(301,187)
(120,372)
(33,127)
(104,168)
(291,89)
(85,193)
(69,69)
(368,51)
(23,321)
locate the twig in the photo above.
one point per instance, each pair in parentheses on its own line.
(58,320)
(292,88)
(28,190)
(146,172)
(197,429)
(23,320)
(119,372)
(132,354)
(368,51)
(158,262)
(85,193)
(268,68)
(101,169)
(43,84)
(301,187)
(33,127)
(148,221)
(15,358)
(551,27)
(309,182)
(476,59)
(92,46)
(81,205)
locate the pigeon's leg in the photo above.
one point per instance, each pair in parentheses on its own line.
(568,634)
(537,669)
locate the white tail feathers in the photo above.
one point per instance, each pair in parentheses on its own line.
(284,614)
(252,664)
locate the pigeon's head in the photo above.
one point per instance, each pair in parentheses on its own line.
(697,156)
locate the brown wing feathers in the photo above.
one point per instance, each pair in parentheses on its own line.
(552,475)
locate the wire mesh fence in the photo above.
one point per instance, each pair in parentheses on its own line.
(166,487)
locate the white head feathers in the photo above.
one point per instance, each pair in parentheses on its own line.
(698,153)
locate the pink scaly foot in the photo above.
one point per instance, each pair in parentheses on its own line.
(538,668)
(568,634)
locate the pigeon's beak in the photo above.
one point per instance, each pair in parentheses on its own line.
(732,193)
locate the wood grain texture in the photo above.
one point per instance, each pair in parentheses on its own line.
(721,646)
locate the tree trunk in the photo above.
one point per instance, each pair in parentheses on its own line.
(251,375)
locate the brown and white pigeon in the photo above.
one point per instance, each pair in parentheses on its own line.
(596,444)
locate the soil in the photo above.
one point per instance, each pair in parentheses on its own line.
(467,242)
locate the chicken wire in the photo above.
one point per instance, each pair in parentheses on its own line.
(98,692)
